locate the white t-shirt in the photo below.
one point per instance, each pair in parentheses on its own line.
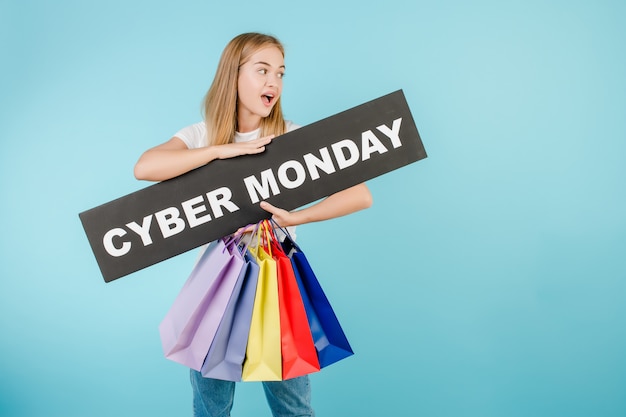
(195,137)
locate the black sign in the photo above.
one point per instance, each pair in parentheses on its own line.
(297,168)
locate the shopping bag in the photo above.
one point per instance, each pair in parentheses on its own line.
(330,340)
(189,327)
(263,352)
(228,350)
(299,356)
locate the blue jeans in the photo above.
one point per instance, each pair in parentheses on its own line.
(214,397)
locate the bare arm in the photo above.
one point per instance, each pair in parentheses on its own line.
(339,204)
(173,158)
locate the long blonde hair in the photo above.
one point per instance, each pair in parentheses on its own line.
(220,103)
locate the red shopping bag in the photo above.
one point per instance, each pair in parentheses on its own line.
(299,356)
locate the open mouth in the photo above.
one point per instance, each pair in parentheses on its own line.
(267,98)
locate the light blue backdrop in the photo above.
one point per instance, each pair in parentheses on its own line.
(486,280)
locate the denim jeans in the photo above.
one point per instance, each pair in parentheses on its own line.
(214,397)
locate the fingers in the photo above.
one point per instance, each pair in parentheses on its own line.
(257,145)
(282,217)
(256,150)
(245,229)
(268,207)
(266,139)
(262,142)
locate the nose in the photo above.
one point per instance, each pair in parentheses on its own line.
(272,80)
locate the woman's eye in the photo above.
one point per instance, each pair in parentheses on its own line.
(281,74)
(262,71)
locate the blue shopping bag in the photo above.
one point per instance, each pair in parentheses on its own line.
(330,340)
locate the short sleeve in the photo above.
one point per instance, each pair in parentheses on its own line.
(194,135)
(289,125)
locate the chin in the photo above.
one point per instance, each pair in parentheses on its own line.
(266,113)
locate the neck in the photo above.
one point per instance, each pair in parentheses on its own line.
(248,124)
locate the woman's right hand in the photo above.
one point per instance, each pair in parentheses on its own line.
(173,158)
(231,150)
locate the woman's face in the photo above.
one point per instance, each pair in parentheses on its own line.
(259,86)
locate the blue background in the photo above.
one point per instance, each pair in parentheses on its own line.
(486,280)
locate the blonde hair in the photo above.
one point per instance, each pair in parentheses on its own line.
(220,102)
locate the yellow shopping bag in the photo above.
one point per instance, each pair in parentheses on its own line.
(263,353)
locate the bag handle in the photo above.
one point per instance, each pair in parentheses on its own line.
(286,232)
(241,237)
(271,228)
(237,237)
(264,229)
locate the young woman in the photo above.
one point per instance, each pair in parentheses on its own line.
(242,115)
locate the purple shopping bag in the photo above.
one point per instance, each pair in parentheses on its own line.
(228,350)
(189,327)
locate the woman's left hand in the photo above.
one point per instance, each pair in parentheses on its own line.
(344,202)
(282,217)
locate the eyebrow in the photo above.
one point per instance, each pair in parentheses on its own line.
(265,63)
